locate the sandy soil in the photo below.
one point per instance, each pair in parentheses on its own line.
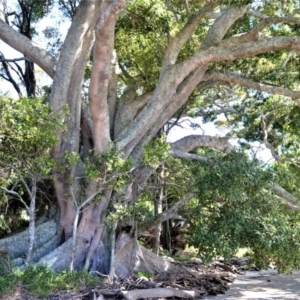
(263,285)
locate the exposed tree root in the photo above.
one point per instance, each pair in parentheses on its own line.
(59,259)
(145,261)
(17,244)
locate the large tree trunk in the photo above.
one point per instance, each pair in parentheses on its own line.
(127,125)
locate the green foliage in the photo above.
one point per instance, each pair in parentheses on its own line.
(156,151)
(28,132)
(235,208)
(108,167)
(144,274)
(231,176)
(41,281)
(141,212)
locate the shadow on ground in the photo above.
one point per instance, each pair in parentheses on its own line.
(265,284)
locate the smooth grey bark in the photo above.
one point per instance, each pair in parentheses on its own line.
(192,142)
(158,206)
(60,258)
(31,229)
(17,244)
(29,48)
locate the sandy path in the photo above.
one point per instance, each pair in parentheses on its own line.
(263,285)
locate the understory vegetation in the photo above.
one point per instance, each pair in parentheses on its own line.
(41,281)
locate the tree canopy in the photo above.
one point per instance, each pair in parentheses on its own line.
(126,74)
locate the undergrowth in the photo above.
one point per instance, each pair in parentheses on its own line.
(41,281)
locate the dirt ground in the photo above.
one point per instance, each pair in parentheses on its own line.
(263,285)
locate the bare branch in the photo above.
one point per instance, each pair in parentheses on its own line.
(18,196)
(160,293)
(273,20)
(287,58)
(9,77)
(15,59)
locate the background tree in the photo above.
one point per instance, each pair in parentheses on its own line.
(22,18)
(152,62)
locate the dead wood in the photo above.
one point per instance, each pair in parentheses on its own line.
(159,292)
(193,279)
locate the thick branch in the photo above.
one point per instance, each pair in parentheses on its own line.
(30,49)
(255,33)
(165,96)
(273,20)
(189,156)
(289,198)
(235,78)
(230,53)
(221,26)
(176,43)
(192,142)
(256,14)
(128,107)
(101,73)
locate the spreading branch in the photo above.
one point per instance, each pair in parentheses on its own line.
(27,47)
(165,97)
(234,52)
(189,156)
(192,142)
(221,26)
(176,43)
(239,79)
